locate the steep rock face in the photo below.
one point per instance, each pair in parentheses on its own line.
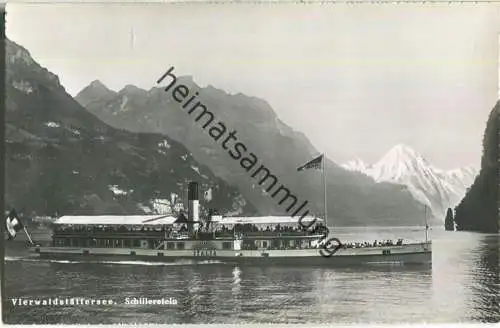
(354,199)
(62,159)
(431,186)
(478,210)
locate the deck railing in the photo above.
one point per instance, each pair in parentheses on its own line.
(174,235)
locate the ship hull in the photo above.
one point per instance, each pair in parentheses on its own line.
(412,254)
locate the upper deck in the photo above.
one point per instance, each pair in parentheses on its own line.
(153,232)
(169,227)
(168,233)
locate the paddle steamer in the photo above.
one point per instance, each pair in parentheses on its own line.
(252,240)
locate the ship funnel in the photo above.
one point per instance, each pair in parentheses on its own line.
(193,202)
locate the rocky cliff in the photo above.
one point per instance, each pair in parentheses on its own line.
(478,210)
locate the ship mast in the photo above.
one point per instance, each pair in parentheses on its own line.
(426,225)
(324,185)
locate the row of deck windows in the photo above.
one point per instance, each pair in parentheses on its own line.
(276,244)
(114,243)
(155,244)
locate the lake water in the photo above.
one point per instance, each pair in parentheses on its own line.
(462,286)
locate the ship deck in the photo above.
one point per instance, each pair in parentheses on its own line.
(418,253)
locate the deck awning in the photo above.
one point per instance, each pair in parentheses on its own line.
(139,220)
(156,220)
(270,220)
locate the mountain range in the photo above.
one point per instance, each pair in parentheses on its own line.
(354,199)
(62,159)
(438,189)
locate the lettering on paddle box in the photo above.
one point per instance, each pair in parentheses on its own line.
(204,252)
(204,249)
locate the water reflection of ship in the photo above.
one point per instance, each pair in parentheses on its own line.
(236,289)
(194,291)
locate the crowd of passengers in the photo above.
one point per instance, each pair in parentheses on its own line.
(167,229)
(376,243)
(237,228)
(252,228)
(301,245)
(254,247)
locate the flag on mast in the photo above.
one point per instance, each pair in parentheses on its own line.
(13,224)
(316,164)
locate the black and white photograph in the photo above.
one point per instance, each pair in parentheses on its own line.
(251,164)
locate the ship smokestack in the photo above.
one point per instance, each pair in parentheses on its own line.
(193,202)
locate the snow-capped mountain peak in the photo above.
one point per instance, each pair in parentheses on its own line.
(439,189)
(402,153)
(400,161)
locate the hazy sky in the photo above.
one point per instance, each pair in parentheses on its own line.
(356,79)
